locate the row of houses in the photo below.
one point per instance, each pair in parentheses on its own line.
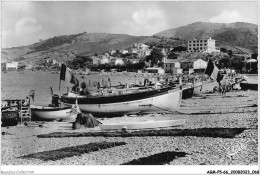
(15,66)
(50,62)
(189,65)
(106,59)
(180,66)
(206,45)
(137,48)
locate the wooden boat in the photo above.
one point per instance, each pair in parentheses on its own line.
(245,86)
(139,101)
(141,124)
(197,88)
(187,91)
(9,118)
(46,113)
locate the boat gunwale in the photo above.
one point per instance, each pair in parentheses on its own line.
(49,108)
(117,98)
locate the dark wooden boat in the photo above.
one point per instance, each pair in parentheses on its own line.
(187,91)
(246,86)
(9,118)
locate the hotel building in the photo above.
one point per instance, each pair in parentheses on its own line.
(202,45)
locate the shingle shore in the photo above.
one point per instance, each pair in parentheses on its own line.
(237,110)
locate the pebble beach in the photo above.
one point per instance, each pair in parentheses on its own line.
(238,109)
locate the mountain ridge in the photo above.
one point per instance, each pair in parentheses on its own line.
(239,34)
(67,47)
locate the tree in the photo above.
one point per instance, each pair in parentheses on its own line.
(237,63)
(155,57)
(224,62)
(179,49)
(230,53)
(172,55)
(223,50)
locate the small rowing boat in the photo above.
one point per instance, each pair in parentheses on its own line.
(246,86)
(142,124)
(47,113)
(9,118)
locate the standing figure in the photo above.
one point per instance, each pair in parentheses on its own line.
(223,90)
(26,102)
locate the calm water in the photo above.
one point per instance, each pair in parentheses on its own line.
(16,86)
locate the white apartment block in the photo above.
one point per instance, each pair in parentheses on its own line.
(202,45)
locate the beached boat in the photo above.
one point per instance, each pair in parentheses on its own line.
(246,86)
(9,118)
(47,113)
(139,101)
(197,88)
(142,124)
(187,91)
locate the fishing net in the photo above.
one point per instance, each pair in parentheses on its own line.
(85,120)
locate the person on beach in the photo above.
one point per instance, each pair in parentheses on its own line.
(55,101)
(223,90)
(26,102)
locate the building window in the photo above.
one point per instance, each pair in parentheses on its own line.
(197,44)
(193,44)
(205,44)
(201,48)
(205,40)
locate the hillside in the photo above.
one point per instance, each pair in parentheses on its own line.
(238,34)
(66,47)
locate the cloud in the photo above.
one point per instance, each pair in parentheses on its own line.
(27,26)
(26,31)
(229,17)
(145,22)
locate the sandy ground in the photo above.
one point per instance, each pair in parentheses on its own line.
(237,110)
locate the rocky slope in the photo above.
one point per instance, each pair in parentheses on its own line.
(238,34)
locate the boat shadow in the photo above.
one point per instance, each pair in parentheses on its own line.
(62,153)
(198,132)
(157,159)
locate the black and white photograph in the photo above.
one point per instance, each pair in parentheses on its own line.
(98,87)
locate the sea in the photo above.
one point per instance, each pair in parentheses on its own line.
(17,85)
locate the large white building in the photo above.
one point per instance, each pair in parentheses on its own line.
(202,45)
(11,66)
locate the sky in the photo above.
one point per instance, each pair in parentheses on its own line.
(27,22)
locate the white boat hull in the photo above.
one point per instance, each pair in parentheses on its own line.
(162,103)
(46,113)
(142,124)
